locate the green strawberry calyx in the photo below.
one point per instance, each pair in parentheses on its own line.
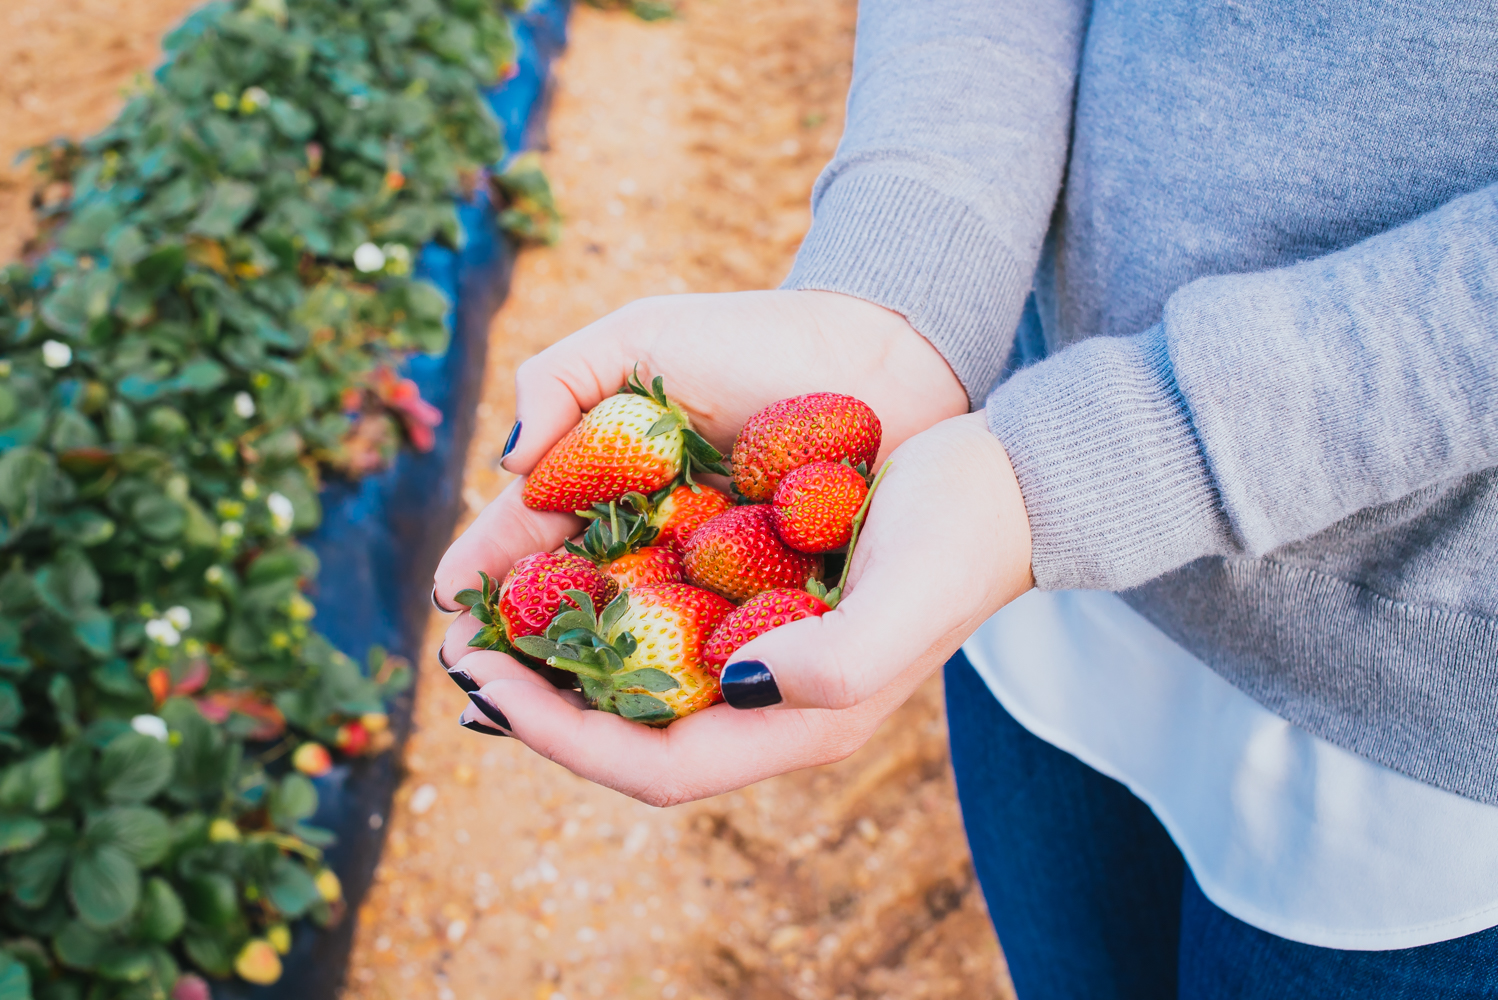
(698,455)
(483,604)
(615,532)
(576,641)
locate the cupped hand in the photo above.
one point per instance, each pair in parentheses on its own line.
(723,357)
(946,544)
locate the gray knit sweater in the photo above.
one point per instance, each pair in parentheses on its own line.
(1263,242)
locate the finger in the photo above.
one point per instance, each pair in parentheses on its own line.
(923,577)
(504,531)
(708,753)
(481,667)
(555,388)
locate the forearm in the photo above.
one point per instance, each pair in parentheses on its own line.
(939,196)
(1264,407)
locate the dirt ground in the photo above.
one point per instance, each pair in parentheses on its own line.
(682,154)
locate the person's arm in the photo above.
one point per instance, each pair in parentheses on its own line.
(942,188)
(1264,407)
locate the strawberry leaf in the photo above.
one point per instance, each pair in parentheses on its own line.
(583,602)
(667,422)
(490,637)
(468,598)
(534,645)
(702,455)
(625,645)
(649,678)
(611,615)
(481,612)
(568,622)
(642,707)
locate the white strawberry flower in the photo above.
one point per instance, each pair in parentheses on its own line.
(56,354)
(244,405)
(150,725)
(162,631)
(369,258)
(282,511)
(179,617)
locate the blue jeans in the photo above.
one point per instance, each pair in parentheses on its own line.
(1092,901)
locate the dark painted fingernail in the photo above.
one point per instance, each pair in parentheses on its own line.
(749,684)
(487,707)
(511,441)
(439,606)
(479,727)
(460,677)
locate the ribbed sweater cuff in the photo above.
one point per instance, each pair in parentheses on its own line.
(901,244)
(1111,470)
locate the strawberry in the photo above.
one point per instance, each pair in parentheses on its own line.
(683,510)
(755,617)
(814,506)
(530,597)
(651,564)
(817,427)
(739,555)
(635,441)
(641,657)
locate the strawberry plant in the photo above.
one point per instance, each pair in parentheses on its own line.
(209,323)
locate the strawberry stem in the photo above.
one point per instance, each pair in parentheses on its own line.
(863,510)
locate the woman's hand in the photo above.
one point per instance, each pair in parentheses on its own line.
(723,357)
(945,545)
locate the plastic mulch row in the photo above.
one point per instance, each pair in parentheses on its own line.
(381,537)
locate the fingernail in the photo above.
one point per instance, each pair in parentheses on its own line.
(479,727)
(749,684)
(460,677)
(487,707)
(511,441)
(438,604)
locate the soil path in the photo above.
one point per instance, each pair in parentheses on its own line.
(683,154)
(63,67)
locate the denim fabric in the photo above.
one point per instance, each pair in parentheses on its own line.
(1092,901)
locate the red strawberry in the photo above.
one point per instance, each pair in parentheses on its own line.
(683,511)
(814,506)
(635,441)
(652,564)
(739,555)
(755,617)
(817,427)
(641,657)
(530,597)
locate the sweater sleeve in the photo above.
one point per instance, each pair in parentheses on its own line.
(938,198)
(1264,407)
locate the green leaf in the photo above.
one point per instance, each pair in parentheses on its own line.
(468,598)
(568,621)
(104,886)
(294,799)
(18,833)
(77,946)
(536,647)
(125,965)
(87,228)
(161,268)
(666,423)
(94,628)
(162,915)
(159,517)
(291,888)
(611,614)
(642,707)
(211,900)
(134,767)
(34,874)
(141,834)
(209,953)
(15,979)
(11,709)
(226,207)
(202,375)
(649,678)
(489,637)
(583,602)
